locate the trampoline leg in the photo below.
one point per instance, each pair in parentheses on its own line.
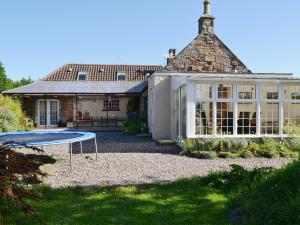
(81,148)
(71,150)
(96,148)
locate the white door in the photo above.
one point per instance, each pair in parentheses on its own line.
(48,114)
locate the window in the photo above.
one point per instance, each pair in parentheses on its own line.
(246,120)
(291,118)
(245,95)
(204,118)
(224,91)
(203,91)
(272,95)
(269,118)
(225,118)
(292,92)
(270,92)
(82,76)
(247,91)
(295,96)
(121,76)
(111,105)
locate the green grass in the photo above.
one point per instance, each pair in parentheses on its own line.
(261,196)
(183,202)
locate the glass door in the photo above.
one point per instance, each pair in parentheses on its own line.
(48,113)
(43,113)
(53,113)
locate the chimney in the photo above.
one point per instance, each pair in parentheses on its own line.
(206,22)
(172,55)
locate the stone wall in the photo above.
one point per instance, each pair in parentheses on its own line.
(206,53)
(66,108)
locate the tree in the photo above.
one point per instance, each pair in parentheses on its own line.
(6,83)
(3,79)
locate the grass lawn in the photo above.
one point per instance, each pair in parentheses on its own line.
(260,196)
(184,202)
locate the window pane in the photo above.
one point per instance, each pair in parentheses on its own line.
(224,118)
(203,91)
(270,118)
(247,91)
(112,105)
(183,111)
(224,91)
(43,113)
(292,92)
(53,113)
(246,118)
(291,118)
(269,91)
(204,118)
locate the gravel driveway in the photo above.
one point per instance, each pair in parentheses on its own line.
(135,160)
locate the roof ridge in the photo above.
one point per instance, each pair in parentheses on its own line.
(84,64)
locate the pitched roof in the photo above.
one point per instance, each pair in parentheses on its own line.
(79,87)
(98,72)
(206,53)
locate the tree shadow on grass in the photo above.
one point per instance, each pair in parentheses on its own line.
(183,202)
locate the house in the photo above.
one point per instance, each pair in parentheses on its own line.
(89,93)
(204,91)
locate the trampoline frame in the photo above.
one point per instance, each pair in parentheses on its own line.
(85,136)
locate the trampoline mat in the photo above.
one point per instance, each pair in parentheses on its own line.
(37,138)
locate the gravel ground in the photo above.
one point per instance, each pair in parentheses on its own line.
(127,160)
(141,168)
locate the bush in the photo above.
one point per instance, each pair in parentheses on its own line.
(293,144)
(226,155)
(188,147)
(206,144)
(246,154)
(12,117)
(17,171)
(207,155)
(132,126)
(274,199)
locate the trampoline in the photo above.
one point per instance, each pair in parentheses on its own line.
(46,138)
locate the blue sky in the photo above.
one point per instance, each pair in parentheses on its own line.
(37,36)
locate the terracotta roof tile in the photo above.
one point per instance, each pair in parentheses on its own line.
(98,72)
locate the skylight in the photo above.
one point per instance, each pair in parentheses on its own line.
(121,76)
(82,76)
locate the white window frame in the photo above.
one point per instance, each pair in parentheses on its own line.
(121,74)
(82,74)
(48,112)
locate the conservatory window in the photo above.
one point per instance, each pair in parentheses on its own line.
(204,91)
(291,118)
(204,118)
(270,92)
(224,91)
(224,118)
(270,118)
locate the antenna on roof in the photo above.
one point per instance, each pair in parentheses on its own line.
(119,60)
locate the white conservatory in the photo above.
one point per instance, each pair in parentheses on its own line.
(230,105)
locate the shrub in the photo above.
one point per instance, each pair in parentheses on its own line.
(226,155)
(238,144)
(273,200)
(132,126)
(207,155)
(188,147)
(267,153)
(293,144)
(206,144)
(17,171)
(11,116)
(246,154)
